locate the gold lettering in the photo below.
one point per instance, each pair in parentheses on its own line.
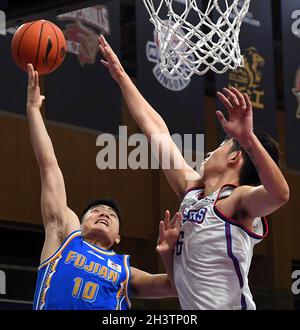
(71,256)
(89,268)
(80,261)
(257,99)
(96,270)
(113,276)
(103,272)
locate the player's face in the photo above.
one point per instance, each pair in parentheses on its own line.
(101,220)
(217,160)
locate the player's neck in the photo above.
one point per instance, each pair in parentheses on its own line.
(98,243)
(213,183)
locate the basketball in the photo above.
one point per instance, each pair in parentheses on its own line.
(40,43)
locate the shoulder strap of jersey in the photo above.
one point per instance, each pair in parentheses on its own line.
(66,242)
(226,191)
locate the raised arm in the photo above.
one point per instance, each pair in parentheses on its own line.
(150,286)
(58,219)
(274,191)
(151,124)
(145,285)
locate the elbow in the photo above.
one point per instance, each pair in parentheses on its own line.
(284,196)
(46,163)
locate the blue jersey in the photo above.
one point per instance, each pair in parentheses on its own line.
(80,275)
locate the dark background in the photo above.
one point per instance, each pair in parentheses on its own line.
(260,38)
(291,49)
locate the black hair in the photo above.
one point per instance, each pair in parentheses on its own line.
(248,172)
(103,201)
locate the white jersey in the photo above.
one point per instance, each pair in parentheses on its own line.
(213,255)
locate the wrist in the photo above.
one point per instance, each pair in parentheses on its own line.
(122,77)
(33,106)
(247,139)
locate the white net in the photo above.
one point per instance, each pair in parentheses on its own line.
(197,35)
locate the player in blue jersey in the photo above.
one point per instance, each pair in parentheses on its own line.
(79,269)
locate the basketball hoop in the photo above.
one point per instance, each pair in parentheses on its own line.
(199,39)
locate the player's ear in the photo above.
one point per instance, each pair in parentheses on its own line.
(118,239)
(235,157)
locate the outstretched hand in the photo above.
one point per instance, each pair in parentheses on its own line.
(239,107)
(34,97)
(168,233)
(110,60)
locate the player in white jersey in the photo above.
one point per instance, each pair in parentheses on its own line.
(223,208)
(213,255)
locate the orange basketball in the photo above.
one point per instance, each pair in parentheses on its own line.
(40,43)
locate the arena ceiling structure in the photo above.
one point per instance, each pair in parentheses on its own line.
(19,11)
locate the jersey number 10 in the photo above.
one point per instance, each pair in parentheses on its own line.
(88,291)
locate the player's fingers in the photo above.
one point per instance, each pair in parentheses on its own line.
(110,55)
(178,220)
(102,50)
(36,79)
(101,40)
(30,73)
(104,63)
(29,67)
(104,42)
(108,50)
(167,219)
(239,96)
(42,98)
(225,101)
(248,102)
(161,231)
(221,118)
(232,97)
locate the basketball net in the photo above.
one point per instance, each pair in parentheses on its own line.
(198,39)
